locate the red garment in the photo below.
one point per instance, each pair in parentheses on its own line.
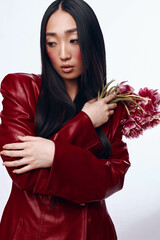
(77,175)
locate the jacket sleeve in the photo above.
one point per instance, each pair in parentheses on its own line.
(79,176)
(77,162)
(17,119)
(79,131)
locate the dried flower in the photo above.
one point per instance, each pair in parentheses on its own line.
(130,127)
(153,98)
(125,88)
(142,108)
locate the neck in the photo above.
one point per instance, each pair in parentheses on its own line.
(71,87)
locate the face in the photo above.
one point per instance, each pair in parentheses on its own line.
(62,45)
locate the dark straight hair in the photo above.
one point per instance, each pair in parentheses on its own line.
(53,101)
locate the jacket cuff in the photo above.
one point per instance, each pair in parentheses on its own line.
(80,131)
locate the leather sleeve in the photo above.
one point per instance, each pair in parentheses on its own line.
(76,174)
(17,118)
(79,131)
(79,176)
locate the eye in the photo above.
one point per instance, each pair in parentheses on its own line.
(74,41)
(51,44)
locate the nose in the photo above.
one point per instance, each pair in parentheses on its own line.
(64,52)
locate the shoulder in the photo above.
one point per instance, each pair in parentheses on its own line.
(21,84)
(21,79)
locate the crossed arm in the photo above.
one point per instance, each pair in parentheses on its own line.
(64,167)
(38,152)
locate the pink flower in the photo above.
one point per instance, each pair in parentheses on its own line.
(153,99)
(124,88)
(135,124)
(131,129)
(150,121)
(142,108)
(138,121)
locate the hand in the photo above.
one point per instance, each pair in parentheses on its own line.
(35,152)
(99,111)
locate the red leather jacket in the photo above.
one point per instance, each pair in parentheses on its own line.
(77,175)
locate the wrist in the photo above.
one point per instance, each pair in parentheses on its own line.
(89,116)
(51,152)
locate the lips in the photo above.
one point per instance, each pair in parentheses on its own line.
(67,68)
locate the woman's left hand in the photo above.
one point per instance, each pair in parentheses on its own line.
(35,152)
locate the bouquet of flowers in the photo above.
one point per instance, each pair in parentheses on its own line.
(142,108)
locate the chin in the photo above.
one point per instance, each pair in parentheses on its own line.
(69,77)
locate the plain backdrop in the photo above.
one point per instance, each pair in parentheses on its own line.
(132,37)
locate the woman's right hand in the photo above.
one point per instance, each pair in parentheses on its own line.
(99,111)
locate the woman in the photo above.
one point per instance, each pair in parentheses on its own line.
(62,148)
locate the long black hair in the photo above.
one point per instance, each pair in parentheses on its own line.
(53,100)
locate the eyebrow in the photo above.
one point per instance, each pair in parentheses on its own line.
(72,30)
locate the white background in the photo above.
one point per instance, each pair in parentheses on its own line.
(132,36)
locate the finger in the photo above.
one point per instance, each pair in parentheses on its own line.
(10,153)
(111,112)
(93,100)
(28,138)
(14,146)
(17,163)
(112,106)
(109,98)
(23,169)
